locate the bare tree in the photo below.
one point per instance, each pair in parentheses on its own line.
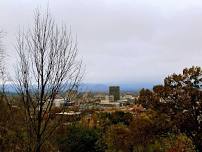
(47,66)
(3,72)
(2,67)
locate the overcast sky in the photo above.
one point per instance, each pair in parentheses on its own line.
(120,41)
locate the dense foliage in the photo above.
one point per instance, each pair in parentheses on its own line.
(169,122)
(180,98)
(80,139)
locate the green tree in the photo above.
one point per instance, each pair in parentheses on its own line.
(81,139)
(120,117)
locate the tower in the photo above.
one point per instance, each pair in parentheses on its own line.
(115,91)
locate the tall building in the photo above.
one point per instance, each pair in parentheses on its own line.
(115,91)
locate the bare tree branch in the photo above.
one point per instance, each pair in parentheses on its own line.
(47,66)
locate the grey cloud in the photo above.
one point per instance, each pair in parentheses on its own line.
(120,40)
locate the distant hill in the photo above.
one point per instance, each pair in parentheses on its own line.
(9,88)
(98,87)
(124,87)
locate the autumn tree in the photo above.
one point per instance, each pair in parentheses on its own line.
(47,66)
(146,98)
(118,138)
(181,99)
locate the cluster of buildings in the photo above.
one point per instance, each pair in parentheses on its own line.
(113,99)
(86,103)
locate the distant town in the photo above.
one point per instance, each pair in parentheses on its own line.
(114,99)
